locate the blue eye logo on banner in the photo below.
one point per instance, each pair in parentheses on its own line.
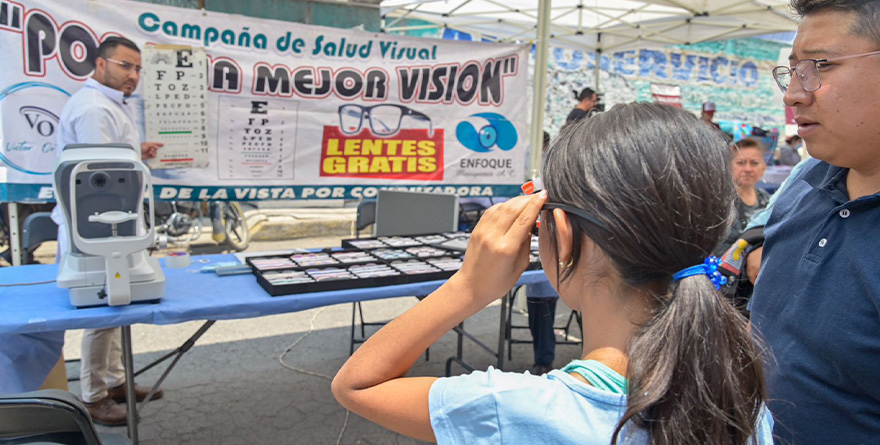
(482,131)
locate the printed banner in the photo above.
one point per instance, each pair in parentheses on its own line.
(289,111)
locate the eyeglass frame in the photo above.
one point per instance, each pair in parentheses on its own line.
(365,114)
(549,206)
(816,63)
(126,66)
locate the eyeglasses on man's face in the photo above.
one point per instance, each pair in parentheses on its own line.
(384,120)
(126,66)
(807,71)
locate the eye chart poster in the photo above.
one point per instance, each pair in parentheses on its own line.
(256,138)
(175,105)
(258,109)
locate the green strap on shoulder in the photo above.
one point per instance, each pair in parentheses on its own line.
(598,375)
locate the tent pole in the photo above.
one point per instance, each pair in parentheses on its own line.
(598,62)
(540,94)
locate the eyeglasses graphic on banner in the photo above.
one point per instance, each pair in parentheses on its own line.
(384,120)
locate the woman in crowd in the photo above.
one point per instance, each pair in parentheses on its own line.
(630,212)
(748,167)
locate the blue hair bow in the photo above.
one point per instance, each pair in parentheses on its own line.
(708,268)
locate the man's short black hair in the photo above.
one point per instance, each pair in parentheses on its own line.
(108,47)
(867,14)
(586,93)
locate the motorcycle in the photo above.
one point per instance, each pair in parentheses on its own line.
(180,222)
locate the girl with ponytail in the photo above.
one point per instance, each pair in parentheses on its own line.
(634,203)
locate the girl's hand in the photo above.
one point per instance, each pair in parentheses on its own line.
(498,251)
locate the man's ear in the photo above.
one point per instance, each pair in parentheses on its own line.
(100,65)
(564,235)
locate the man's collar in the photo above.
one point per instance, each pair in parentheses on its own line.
(115,95)
(829,178)
(823,175)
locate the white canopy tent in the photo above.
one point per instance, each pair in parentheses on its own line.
(603,25)
(590,25)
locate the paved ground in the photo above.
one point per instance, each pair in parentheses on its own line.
(266,380)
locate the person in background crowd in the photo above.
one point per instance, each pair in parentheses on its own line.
(99,114)
(666,360)
(748,167)
(708,114)
(817,293)
(788,152)
(587,100)
(768,140)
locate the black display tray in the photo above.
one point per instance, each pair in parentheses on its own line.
(276,290)
(295,265)
(264,277)
(350,243)
(437,274)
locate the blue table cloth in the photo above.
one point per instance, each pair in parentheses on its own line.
(189,295)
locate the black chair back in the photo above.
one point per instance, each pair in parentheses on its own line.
(38,228)
(49,415)
(366,215)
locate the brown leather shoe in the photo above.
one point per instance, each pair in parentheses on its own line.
(107,412)
(140,392)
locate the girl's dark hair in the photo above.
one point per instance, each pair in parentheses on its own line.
(657,178)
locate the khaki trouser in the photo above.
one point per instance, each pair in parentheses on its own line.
(101,363)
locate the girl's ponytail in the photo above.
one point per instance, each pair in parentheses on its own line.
(695,374)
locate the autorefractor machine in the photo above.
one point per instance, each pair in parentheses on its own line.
(101,190)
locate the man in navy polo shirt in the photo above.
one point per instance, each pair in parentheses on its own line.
(817,297)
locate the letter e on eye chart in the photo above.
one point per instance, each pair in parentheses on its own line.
(175,105)
(256,137)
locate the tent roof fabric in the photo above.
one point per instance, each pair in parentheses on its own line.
(605,25)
